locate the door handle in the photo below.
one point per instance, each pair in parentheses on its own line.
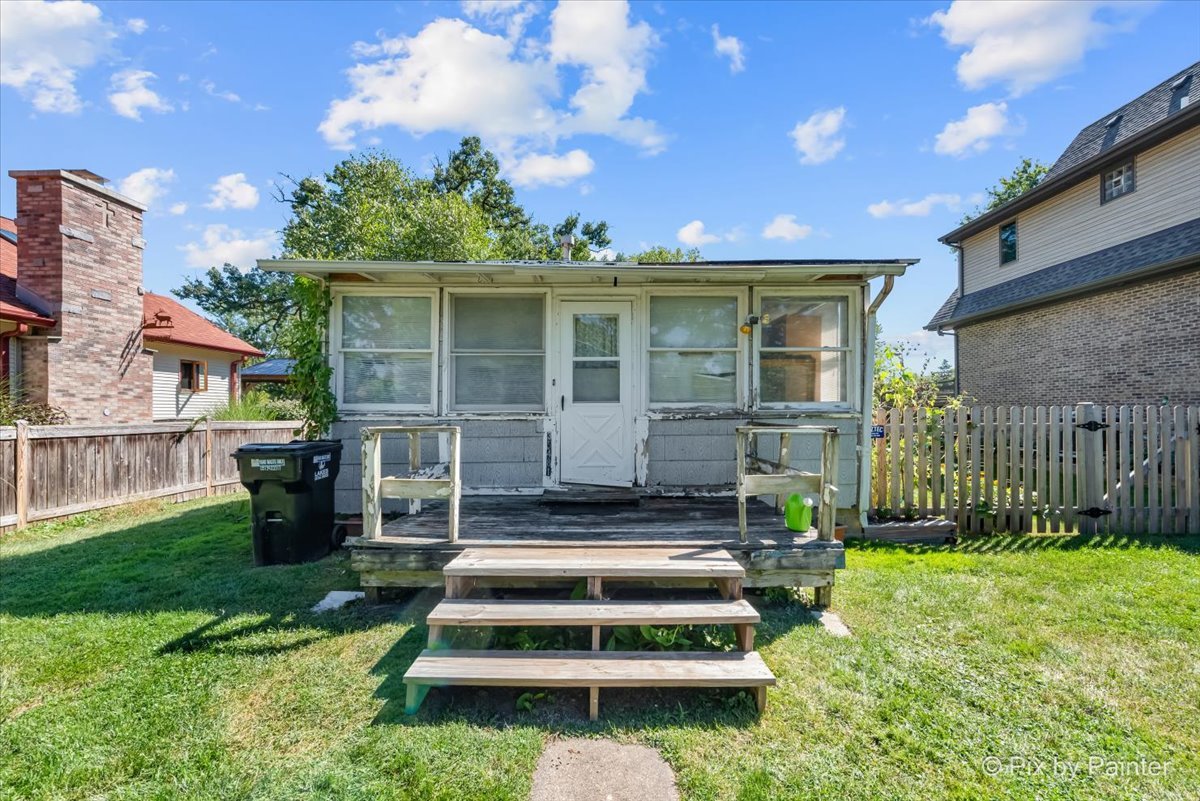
(562,402)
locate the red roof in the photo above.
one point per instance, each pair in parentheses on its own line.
(8,248)
(188,328)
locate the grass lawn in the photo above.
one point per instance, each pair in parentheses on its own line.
(141,656)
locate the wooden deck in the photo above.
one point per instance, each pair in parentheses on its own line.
(413,549)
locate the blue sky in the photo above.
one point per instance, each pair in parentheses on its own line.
(754,130)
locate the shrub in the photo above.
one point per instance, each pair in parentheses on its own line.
(258,405)
(16,407)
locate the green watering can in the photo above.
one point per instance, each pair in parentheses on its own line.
(798,513)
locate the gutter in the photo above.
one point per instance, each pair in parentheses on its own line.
(868,400)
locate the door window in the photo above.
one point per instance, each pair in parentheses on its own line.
(596,366)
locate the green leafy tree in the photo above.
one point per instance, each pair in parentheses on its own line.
(659,254)
(257,306)
(1026,176)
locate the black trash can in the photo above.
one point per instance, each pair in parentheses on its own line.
(291,498)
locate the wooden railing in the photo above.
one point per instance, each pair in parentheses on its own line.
(439,480)
(1114,469)
(56,471)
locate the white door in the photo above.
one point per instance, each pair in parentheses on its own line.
(595,393)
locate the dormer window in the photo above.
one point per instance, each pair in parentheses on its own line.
(1008,242)
(1117,182)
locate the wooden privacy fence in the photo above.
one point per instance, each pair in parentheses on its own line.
(1118,469)
(54,471)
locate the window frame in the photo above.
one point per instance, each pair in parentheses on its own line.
(1016,242)
(738,294)
(1131,163)
(447,330)
(338,352)
(850,375)
(203,365)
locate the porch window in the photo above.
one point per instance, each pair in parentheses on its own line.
(497,352)
(193,376)
(693,350)
(386,351)
(804,350)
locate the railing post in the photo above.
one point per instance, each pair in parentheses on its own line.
(22,454)
(372,468)
(1091,467)
(826,514)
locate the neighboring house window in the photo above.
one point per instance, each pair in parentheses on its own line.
(693,350)
(497,352)
(193,376)
(1117,182)
(1008,242)
(387,351)
(803,351)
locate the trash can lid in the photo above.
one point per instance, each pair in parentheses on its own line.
(297,447)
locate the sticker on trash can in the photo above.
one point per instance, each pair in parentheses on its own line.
(321,462)
(267,465)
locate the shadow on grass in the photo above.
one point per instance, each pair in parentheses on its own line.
(1016,543)
(198,560)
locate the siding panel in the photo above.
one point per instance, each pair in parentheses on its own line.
(1074,223)
(170,403)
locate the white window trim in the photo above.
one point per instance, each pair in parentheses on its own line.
(850,377)
(447,375)
(734,291)
(338,359)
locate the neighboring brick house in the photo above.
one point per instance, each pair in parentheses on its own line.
(73,311)
(1087,287)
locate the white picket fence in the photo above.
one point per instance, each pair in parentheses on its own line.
(1114,469)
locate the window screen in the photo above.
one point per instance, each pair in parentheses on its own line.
(693,350)
(497,352)
(803,350)
(387,351)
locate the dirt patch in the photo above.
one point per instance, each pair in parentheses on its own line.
(601,770)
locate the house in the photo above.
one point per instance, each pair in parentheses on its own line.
(603,373)
(196,364)
(78,330)
(1087,287)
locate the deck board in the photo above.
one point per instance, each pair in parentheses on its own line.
(606,562)
(590,669)
(462,612)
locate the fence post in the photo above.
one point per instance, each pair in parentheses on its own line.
(22,456)
(372,467)
(208,458)
(1088,440)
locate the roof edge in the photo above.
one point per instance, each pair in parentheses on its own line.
(249,350)
(1172,126)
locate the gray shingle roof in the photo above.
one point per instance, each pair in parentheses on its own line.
(1132,118)
(1173,245)
(272,367)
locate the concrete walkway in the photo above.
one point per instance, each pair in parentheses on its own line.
(581,769)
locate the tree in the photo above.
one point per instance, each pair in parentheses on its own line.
(1026,176)
(256,306)
(660,254)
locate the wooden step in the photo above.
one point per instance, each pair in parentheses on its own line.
(602,562)
(458,612)
(590,669)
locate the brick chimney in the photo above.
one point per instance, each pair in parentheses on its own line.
(79,257)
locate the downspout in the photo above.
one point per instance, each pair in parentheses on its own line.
(868,401)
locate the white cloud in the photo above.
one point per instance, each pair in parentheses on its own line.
(452,76)
(1026,44)
(785,227)
(129,94)
(914,208)
(136,26)
(974,133)
(178,209)
(220,244)
(817,138)
(731,48)
(232,192)
(146,185)
(694,235)
(44,45)
(604,254)
(513,15)
(537,169)
(210,88)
